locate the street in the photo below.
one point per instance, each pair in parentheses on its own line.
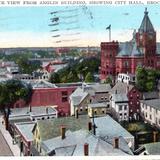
(4,148)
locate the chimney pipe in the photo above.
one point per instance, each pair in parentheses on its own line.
(89,126)
(86,149)
(116,142)
(76,115)
(63,130)
(30,108)
(47,110)
(155,133)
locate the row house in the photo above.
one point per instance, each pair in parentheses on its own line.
(150,111)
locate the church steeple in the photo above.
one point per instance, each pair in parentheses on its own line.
(146,25)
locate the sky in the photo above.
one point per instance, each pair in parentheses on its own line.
(29,26)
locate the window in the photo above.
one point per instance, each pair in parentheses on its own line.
(102,111)
(64,96)
(64,93)
(64,99)
(95,112)
(156,111)
(146,115)
(125,114)
(150,117)
(86,109)
(125,107)
(138,96)
(120,108)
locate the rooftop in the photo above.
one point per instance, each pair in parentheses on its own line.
(78,96)
(114,129)
(51,128)
(95,105)
(153,148)
(155,103)
(120,88)
(120,97)
(74,142)
(25,129)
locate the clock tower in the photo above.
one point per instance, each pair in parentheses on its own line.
(146,41)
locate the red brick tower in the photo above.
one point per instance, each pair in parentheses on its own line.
(146,41)
(109,51)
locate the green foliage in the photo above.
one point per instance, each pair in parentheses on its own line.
(13,90)
(89,78)
(78,69)
(146,79)
(27,67)
(108,80)
(10,92)
(54,78)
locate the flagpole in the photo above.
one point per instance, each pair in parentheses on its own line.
(110,34)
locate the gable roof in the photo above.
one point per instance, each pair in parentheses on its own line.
(121,88)
(73,144)
(120,97)
(155,103)
(78,96)
(51,128)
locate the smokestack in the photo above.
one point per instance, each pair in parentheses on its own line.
(63,130)
(116,142)
(155,136)
(76,115)
(89,126)
(86,149)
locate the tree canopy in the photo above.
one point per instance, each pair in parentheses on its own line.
(146,79)
(11,91)
(77,70)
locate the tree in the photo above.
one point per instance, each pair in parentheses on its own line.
(108,80)
(89,78)
(10,92)
(141,77)
(54,78)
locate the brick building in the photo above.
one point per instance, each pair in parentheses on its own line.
(124,57)
(48,94)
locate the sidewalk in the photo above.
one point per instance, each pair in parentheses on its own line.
(14,148)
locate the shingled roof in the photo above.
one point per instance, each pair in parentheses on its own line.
(146,25)
(51,128)
(121,88)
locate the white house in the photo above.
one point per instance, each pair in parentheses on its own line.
(126,78)
(150,111)
(120,107)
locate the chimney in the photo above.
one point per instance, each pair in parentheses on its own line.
(116,142)
(86,149)
(47,110)
(63,130)
(76,115)
(89,126)
(30,108)
(155,136)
